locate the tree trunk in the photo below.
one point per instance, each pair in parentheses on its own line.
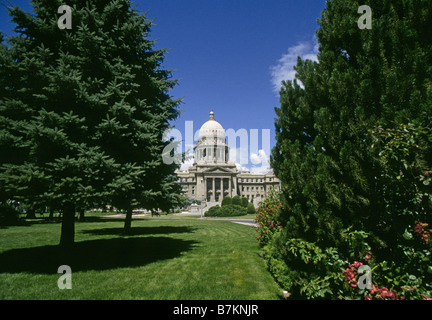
(51,213)
(128,220)
(68,226)
(31,213)
(81,215)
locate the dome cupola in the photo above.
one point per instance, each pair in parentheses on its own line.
(211,130)
(211,146)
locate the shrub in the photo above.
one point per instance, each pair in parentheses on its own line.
(309,271)
(230,210)
(303,268)
(212,211)
(267,217)
(250,208)
(244,202)
(237,200)
(226,201)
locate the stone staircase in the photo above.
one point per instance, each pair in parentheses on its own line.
(210,204)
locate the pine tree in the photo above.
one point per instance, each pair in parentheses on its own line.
(363,77)
(85,111)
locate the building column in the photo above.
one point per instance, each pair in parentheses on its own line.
(235,185)
(214,189)
(203,189)
(229,187)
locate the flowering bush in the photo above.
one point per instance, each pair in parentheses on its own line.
(408,278)
(351,272)
(267,222)
(383,294)
(424,234)
(308,271)
(376,292)
(267,217)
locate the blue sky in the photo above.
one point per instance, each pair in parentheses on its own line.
(229,56)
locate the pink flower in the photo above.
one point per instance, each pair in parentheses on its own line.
(374,289)
(353,283)
(368,256)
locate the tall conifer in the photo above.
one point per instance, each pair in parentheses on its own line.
(324,153)
(85,109)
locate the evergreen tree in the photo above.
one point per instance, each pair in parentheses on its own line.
(84,111)
(324,155)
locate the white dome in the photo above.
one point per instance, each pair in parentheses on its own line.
(211,129)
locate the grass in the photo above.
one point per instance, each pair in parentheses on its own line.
(162,259)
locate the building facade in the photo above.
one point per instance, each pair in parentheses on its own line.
(213,176)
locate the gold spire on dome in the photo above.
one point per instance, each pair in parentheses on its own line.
(211,117)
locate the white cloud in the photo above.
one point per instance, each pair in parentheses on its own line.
(255,158)
(284,70)
(241,168)
(260,158)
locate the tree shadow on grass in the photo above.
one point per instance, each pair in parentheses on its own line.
(102,254)
(24,222)
(138,231)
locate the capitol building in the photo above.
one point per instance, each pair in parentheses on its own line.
(213,176)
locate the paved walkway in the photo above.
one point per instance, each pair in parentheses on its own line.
(247,222)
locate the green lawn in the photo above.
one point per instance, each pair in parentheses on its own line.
(162,259)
